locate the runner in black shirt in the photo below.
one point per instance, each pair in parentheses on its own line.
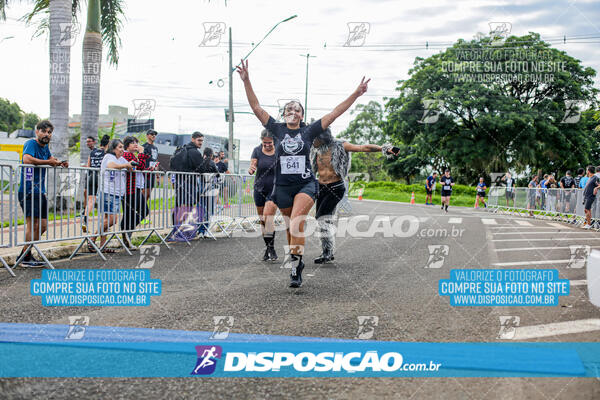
(447,182)
(262,162)
(92,177)
(295,184)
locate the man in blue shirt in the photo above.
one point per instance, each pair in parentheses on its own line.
(32,188)
(543,191)
(429,188)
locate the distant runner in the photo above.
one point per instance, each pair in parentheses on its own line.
(481,187)
(447,182)
(429,188)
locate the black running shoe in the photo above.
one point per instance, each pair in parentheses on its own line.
(272,253)
(296,275)
(267,255)
(324,259)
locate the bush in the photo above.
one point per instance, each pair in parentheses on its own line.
(417,188)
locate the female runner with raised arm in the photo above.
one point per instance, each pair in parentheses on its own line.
(295,186)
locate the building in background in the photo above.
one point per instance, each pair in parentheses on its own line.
(168,142)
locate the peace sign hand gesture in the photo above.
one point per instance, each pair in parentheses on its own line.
(243,71)
(362,88)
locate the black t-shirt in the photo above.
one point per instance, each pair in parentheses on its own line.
(222,166)
(568,182)
(96,157)
(446,181)
(293,151)
(265,169)
(591,184)
(152,151)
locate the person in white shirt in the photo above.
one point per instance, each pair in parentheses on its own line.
(112,187)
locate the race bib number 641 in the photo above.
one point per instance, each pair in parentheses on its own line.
(292,164)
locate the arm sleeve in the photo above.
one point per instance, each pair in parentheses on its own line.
(315,129)
(28,149)
(143,159)
(129,156)
(273,127)
(254,153)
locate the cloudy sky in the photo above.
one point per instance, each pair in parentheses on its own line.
(162,57)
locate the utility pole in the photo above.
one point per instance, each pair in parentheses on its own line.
(230,111)
(306,87)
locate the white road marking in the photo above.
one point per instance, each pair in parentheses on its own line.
(582,282)
(547,240)
(488,221)
(423,219)
(540,248)
(541,233)
(455,220)
(556,328)
(523,223)
(556,224)
(520,228)
(519,263)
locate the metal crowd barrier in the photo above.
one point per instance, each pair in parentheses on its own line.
(6,211)
(50,194)
(556,204)
(82,204)
(126,202)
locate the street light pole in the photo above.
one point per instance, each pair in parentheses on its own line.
(230,75)
(230,111)
(306,87)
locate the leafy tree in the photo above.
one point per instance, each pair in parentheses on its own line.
(486,126)
(11,117)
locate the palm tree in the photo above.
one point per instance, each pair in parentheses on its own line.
(103,24)
(59,23)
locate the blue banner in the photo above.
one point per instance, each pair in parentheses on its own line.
(297,359)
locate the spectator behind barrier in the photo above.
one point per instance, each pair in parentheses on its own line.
(113,188)
(589,194)
(135,207)
(92,180)
(32,188)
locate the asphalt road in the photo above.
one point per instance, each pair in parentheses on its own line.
(384,276)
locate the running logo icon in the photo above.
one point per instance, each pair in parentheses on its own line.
(77,327)
(207,359)
(499,32)
(143,109)
(212,34)
(366,326)
(357,34)
(430,112)
(508,326)
(579,255)
(572,112)
(68,34)
(437,255)
(148,255)
(223,325)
